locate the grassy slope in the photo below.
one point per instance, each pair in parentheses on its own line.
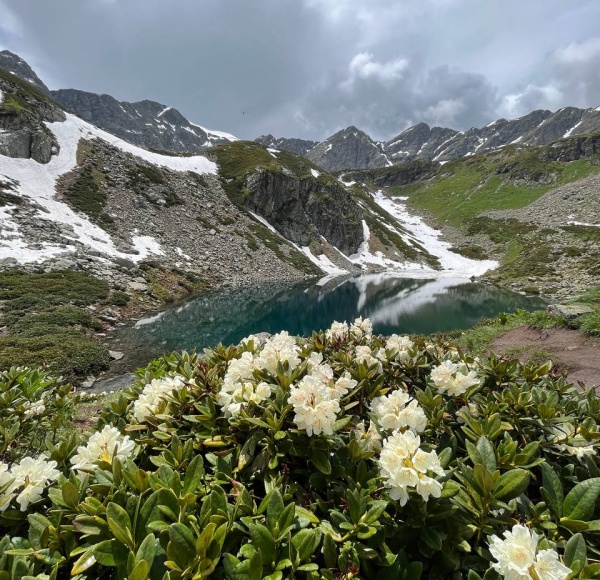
(466,187)
(508,179)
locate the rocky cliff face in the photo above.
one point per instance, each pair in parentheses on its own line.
(348,149)
(147,124)
(297,146)
(303,210)
(23,111)
(15,64)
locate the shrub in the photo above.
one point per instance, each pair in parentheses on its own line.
(338,456)
(33,406)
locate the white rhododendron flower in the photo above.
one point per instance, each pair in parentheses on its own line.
(234,395)
(567,435)
(6,479)
(280,348)
(399,345)
(338,331)
(153,394)
(370,438)
(315,359)
(105,446)
(364,355)
(517,558)
(361,327)
(315,405)
(240,368)
(404,466)
(33,475)
(453,378)
(396,411)
(35,409)
(344,384)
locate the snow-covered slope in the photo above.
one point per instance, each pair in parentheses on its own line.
(37,182)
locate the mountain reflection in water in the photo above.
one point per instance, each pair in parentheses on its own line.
(394,305)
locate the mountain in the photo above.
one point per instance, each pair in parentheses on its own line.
(16,65)
(353,149)
(298,146)
(350,148)
(75,196)
(147,124)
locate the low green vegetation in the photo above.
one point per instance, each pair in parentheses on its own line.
(85,192)
(341,455)
(507,179)
(47,325)
(236,160)
(24,88)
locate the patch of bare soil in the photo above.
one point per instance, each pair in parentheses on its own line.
(572,352)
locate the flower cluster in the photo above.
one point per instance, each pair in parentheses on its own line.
(154,395)
(316,398)
(517,557)
(26,481)
(239,387)
(362,327)
(400,347)
(363,354)
(338,331)
(396,412)
(34,409)
(568,440)
(453,378)
(280,348)
(404,466)
(103,446)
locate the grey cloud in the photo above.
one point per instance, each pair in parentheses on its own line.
(308,67)
(385,97)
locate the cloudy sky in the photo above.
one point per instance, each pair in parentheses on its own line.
(307,68)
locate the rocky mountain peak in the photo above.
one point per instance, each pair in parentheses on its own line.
(347,149)
(297,146)
(16,65)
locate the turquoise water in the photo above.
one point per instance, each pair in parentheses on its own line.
(394,305)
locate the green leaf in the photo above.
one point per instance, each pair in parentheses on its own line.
(376,510)
(274,510)
(193,475)
(70,494)
(320,459)
(120,524)
(552,491)
(329,551)
(147,550)
(140,571)
(86,561)
(487,454)
(575,551)
(263,540)
(182,547)
(581,500)
(110,553)
(511,484)
(473,575)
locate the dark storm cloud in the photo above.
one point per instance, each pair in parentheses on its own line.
(308,67)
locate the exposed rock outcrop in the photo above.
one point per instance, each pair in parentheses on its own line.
(147,124)
(302,210)
(297,146)
(23,111)
(348,149)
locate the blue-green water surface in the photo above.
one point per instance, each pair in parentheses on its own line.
(394,305)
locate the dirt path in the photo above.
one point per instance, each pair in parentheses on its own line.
(571,351)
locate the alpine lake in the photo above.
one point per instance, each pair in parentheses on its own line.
(394,304)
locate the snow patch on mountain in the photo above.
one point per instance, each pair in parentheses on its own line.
(37,182)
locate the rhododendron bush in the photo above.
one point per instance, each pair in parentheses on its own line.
(342,455)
